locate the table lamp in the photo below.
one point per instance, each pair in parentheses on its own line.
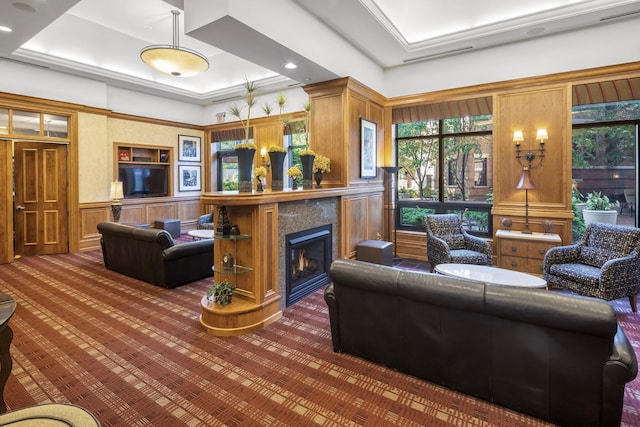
(116,194)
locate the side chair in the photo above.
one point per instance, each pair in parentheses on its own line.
(205,222)
(448,242)
(605,264)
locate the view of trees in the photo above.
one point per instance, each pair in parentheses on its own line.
(463,140)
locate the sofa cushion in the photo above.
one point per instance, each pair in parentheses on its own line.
(614,239)
(466,256)
(596,257)
(585,274)
(444,225)
(454,241)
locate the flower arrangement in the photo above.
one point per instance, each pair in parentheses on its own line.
(307,152)
(260,172)
(321,164)
(247,145)
(276,148)
(294,172)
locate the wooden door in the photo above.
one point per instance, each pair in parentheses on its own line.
(40,202)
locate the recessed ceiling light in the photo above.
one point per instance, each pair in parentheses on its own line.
(147,27)
(290,66)
(24,7)
(5,29)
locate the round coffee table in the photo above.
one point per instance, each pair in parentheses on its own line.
(201,234)
(491,275)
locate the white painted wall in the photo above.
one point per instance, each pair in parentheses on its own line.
(610,44)
(604,45)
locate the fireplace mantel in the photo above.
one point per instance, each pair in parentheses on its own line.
(257,301)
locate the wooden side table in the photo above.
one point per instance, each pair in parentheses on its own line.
(7,308)
(524,252)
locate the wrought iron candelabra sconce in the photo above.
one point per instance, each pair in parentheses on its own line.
(265,162)
(531,158)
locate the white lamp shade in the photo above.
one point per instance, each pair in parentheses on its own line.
(116,190)
(177,61)
(542,135)
(518,136)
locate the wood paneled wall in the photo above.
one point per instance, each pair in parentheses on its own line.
(6,202)
(337,107)
(547,107)
(144,211)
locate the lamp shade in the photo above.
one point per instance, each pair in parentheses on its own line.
(116,190)
(525,182)
(173,59)
(518,136)
(542,135)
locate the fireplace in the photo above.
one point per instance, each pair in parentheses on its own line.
(307,262)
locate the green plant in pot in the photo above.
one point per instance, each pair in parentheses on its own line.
(599,208)
(246,150)
(221,293)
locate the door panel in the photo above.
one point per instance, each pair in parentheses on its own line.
(41,223)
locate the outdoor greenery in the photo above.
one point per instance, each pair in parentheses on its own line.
(414,216)
(419,153)
(598,202)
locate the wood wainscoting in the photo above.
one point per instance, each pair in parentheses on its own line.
(186,209)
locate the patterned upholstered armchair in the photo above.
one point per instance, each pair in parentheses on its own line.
(604,264)
(205,222)
(448,242)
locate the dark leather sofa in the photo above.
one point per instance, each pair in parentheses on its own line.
(560,358)
(153,256)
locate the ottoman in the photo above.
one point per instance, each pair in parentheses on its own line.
(172,226)
(375,251)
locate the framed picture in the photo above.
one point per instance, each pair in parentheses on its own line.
(190,178)
(189,148)
(368,149)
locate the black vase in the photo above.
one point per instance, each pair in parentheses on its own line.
(277,163)
(245,169)
(317,176)
(307,171)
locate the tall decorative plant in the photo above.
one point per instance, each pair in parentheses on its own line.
(277,153)
(246,150)
(307,156)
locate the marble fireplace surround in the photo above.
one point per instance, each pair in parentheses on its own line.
(299,216)
(267,217)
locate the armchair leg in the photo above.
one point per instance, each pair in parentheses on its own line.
(633,300)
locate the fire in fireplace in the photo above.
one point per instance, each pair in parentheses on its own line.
(308,260)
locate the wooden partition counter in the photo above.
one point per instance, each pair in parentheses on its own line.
(264,219)
(235,198)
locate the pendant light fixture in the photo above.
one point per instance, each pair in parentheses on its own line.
(173,59)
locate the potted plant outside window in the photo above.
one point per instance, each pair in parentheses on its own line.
(599,208)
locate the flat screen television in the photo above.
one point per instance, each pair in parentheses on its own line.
(144,181)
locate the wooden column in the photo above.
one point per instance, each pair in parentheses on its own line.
(547,107)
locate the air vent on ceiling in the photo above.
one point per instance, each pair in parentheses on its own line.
(622,15)
(438,55)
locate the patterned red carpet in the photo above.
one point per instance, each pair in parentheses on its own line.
(134,355)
